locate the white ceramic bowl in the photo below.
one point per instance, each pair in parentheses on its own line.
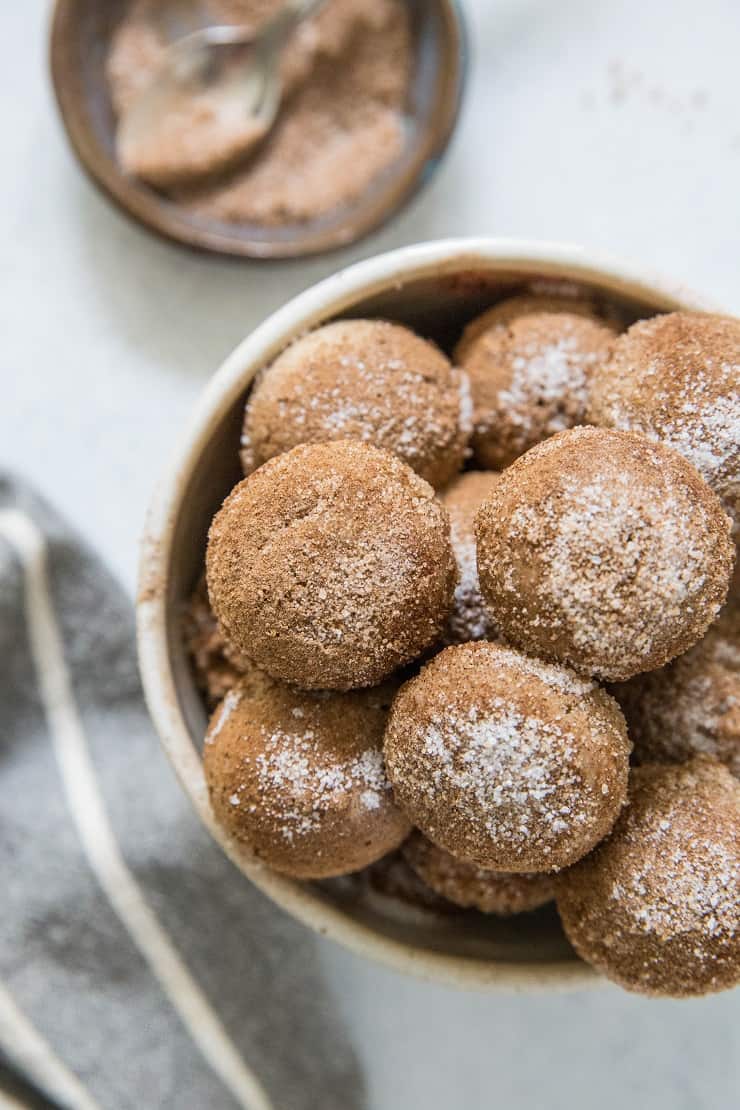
(435,288)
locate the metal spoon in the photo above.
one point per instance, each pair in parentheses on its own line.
(215,96)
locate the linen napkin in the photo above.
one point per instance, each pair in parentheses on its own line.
(138,968)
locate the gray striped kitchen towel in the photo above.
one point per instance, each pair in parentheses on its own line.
(137,967)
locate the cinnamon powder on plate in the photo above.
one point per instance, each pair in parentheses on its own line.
(345,75)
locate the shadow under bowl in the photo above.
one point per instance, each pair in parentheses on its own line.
(80,40)
(435,288)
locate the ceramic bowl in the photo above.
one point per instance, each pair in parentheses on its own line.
(435,288)
(80,38)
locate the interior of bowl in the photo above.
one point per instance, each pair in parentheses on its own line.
(81,35)
(437,303)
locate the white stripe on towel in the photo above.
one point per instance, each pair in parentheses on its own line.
(36,1059)
(98,840)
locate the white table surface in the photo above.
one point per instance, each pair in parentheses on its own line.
(613,125)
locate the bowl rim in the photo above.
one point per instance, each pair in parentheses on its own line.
(326,299)
(145,207)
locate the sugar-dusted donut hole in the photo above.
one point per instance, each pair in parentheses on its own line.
(369,380)
(331,566)
(529,360)
(604,551)
(472,887)
(510,763)
(676,379)
(656,907)
(470,618)
(298,778)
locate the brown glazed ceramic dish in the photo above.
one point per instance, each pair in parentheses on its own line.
(80,36)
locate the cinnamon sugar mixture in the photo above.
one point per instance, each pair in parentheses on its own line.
(345,78)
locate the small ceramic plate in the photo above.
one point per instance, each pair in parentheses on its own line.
(80,37)
(435,288)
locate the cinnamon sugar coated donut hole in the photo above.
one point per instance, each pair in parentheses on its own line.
(470,619)
(529,361)
(465,884)
(399,887)
(331,566)
(522,304)
(298,778)
(604,551)
(214,673)
(510,763)
(367,380)
(676,379)
(656,907)
(693,704)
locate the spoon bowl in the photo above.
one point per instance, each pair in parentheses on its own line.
(212,101)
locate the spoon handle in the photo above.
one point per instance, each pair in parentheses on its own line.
(287,19)
(302,9)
